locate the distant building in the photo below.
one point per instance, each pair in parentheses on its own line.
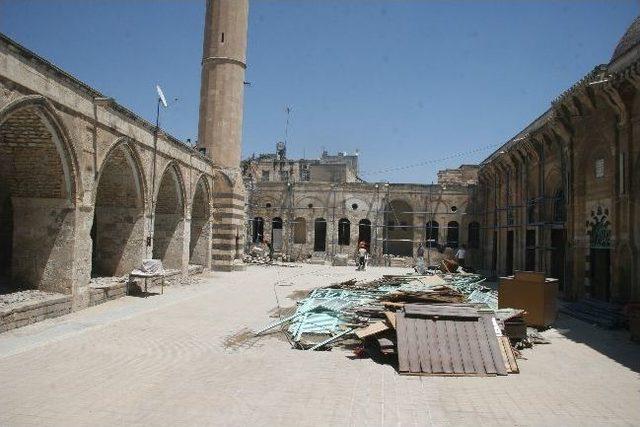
(319,208)
(277,168)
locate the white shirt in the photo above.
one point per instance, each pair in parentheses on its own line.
(461,253)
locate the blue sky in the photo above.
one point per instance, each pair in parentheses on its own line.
(403,82)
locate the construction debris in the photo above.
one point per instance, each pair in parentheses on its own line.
(434,324)
(447,340)
(260,256)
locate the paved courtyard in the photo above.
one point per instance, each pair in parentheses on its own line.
(187,358)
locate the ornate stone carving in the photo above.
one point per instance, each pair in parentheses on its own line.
(599,229)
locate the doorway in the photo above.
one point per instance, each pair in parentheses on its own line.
(364,232)
(494,254)
(276,234)
(530,251)
(600,273)
(509,266)
(558,240)
(320,235)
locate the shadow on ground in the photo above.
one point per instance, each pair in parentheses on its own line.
(615,344)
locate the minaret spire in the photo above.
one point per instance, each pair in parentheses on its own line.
(222,88)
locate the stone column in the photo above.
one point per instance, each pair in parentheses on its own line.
(220,124)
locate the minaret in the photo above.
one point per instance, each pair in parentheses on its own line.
(222,87)
(220,124)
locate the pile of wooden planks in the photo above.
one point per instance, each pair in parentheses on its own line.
(447,340)
(443,339)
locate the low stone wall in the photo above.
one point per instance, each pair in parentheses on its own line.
(102,294)
(22,314)
(42,305)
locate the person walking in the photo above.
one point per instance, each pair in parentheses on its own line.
(362,256)
(461,254)
(420,259)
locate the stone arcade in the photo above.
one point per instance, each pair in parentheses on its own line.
(88,188)
(562,195)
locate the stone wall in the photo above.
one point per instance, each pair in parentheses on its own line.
(83,176)
(305,203)
(564,188)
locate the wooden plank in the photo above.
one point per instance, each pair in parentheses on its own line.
(485,352)
(465,351)
(403,344)
(391,318)
(474,347)
(445,352)
(371,330)
(412,334)
(440,311)
(511,358)
(454,346)
(503,351)
(434,350)
(494,347)
(423,345)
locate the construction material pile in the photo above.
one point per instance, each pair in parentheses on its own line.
(426,324)
(259,254)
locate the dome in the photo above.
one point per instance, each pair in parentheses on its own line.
(630,39)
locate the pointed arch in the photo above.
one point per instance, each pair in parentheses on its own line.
(46,112)
(118,227)
(200,227)
(39,186)
(168,218)
(133,161)
(173,174)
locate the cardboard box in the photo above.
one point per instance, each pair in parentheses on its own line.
(532,292)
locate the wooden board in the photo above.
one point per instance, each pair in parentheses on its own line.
(391,318)
(509,356)
(432,310)
(449,346)
(403,342)
(373,329)
(494,347)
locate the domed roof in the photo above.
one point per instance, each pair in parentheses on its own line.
(630,39)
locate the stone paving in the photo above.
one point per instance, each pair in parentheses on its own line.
(187,358)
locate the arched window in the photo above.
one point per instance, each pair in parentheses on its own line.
(474,235)
(432,234)
(300,230)
(276,233)
(344,232)
(257,230)
(364,232)
(559,207)
(452,234)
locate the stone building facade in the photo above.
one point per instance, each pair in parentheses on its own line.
(562,195)
(322,217)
